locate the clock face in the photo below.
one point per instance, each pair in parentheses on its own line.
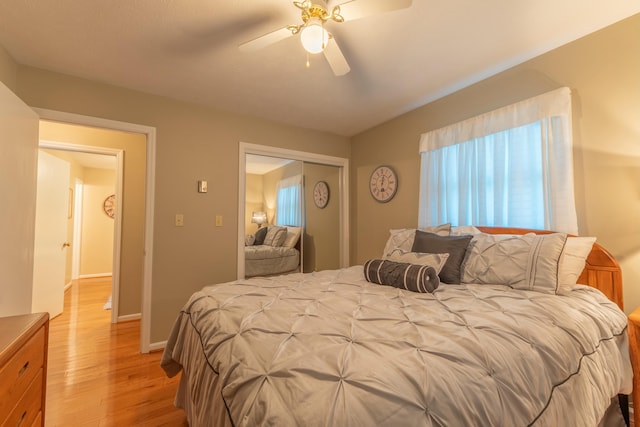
(383,184)
(321,194)
(109,205)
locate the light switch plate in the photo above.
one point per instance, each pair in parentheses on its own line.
(179,220)
(202,186)
(218,220)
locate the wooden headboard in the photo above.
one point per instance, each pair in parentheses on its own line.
(602,271)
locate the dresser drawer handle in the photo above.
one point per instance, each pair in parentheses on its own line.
(23,369)
(21,420)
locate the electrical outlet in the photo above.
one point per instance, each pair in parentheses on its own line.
(218,220)
(179,220)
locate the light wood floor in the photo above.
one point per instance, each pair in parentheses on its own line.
(97,376)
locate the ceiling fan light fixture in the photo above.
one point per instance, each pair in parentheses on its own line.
(314,37)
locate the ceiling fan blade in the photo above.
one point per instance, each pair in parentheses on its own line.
(335,58)
(356,9)
(266,40)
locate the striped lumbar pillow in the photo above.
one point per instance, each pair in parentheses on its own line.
(412,277)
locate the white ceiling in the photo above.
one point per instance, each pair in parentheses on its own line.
(259,165)
(399,60)
(94,161)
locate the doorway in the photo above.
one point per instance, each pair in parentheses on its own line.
(92,237)
(140,260)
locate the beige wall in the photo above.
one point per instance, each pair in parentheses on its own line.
(96,254)
(603,72)
(193,143)
(132,244)
(254,200)
(8,69)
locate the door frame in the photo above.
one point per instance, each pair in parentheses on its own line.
(150,132)
(117,226)
(265,150)
(77,229)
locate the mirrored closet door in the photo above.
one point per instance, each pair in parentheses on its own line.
(321,240)
(303,197)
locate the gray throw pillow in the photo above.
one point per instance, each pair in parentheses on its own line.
(260,235)
(455,246)
(403,238)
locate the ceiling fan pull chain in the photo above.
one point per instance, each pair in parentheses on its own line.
(308,65)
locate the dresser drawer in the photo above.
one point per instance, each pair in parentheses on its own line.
(38,420)
(18,374)
(28,408)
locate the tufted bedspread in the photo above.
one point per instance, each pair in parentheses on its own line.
(330,349)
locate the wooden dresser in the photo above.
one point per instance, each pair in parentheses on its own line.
(23,369)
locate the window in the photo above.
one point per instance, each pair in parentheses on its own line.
(511,167)
(289,201)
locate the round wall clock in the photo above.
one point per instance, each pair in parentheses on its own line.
(321,194)
(109,205)
(383,183)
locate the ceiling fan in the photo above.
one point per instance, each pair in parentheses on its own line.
(313,35)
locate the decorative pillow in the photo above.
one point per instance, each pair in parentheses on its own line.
(434,260)
(528,262)
(293,234)
(260,235)
(403,238)
(275,236)
(455,246)
(461,230)
(416,278)
(249,239)
(573,260)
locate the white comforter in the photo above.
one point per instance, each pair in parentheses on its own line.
(330,349)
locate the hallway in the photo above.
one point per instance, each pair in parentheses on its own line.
(96,374)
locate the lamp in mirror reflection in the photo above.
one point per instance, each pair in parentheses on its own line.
(259,218)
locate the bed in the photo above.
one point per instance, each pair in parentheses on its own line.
(277,251)
(332,348)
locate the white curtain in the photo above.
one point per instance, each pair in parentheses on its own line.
(509,167)
(289,201)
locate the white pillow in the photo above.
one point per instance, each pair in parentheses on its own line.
(573,260)
(275,236)
(403,238)
(249,239)
(293,234)
(528,262)
(460,230)
(436,261)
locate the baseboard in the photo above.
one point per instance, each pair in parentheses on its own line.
(93,276)
(67,286)
(157,346)
(129,317)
